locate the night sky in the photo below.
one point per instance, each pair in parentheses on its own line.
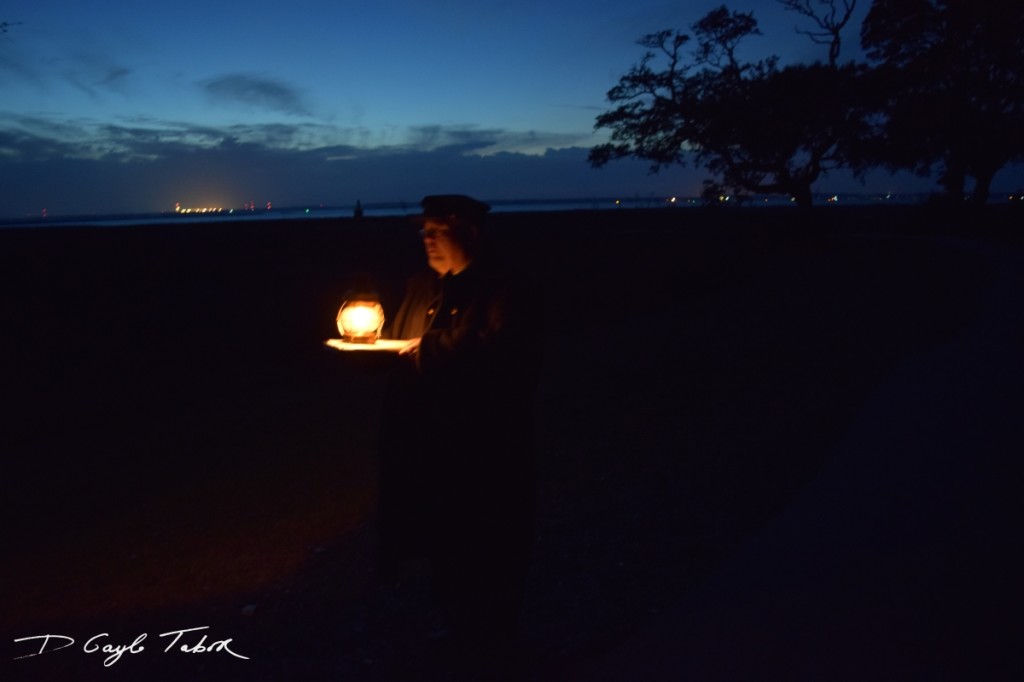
(111,107)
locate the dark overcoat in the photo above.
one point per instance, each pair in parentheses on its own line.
(457,439)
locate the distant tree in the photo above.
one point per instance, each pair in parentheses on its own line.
(756,127)
(951,72)
(830,16)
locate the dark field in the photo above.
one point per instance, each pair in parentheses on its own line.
(180,450)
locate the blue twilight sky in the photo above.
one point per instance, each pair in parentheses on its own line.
(118,106)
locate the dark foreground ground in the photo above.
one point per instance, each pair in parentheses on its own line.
(772,446)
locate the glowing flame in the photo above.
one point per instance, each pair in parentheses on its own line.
(360,320)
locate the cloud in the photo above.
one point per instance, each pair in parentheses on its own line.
(115,77)
(165,168)
(532,141)
(459,139)
(79,166)
(18,66)
(468,139)
(148,138)
(95,73)
(257,91)
(17,145)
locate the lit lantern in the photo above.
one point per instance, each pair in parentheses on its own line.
(361,319)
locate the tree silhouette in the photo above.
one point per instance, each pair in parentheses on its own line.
(830,18)
(756,127)
(952,75)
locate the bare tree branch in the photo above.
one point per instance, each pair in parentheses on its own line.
(830,19)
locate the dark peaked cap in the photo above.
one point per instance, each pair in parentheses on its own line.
(442,207)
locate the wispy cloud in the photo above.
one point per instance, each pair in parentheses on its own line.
(95,73)
(150,138)
(17,65)
(255,91)
(115,76)
(52,68)
(81,165)
(469,139)
(465,139)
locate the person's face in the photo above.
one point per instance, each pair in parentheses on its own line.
(444,253)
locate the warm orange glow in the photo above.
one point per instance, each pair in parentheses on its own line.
(380,345)
(360,320)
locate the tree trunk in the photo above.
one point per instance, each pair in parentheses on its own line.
(953,179)
(982,186)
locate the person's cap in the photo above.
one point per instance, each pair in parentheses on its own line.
(452,207)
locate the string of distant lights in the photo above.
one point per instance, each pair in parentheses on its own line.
(248,206)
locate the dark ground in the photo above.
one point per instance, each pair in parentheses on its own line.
(180,450)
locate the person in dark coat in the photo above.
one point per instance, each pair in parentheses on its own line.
(457,438)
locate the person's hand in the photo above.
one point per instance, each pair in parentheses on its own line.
(411,348)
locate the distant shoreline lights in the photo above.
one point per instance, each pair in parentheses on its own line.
(178,208)
(248,206)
